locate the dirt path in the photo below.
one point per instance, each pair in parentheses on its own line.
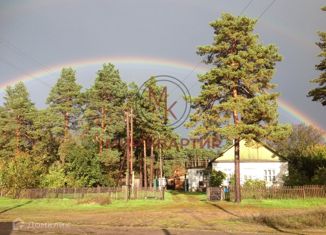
(115,231)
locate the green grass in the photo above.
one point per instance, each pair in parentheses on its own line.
(171,199)
(72,204)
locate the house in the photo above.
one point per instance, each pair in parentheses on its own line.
(196,176)
(257,162)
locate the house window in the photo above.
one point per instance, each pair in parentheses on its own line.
(270,176)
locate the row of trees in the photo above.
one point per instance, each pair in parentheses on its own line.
(79,139)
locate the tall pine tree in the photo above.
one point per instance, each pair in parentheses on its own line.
(319,93)
(236,100)
(18,167)
(64,101)
(65,105)
(104,106)
(16,121)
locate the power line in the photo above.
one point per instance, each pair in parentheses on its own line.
(266,9)
(246,7)
(21,71)
(20,52)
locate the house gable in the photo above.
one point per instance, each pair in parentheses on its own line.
(255,152)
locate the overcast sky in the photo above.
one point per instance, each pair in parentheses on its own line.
(36,35)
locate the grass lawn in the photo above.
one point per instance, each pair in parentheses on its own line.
(178,210)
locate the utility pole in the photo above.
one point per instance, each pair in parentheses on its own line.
(132,148)
(161,163)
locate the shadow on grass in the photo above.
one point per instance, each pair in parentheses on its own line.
(14,207)
(269,223)
(6,228)
(223,209)
(257,220)
(166,232)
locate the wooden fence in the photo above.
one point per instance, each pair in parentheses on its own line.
(118,193)
(284,192)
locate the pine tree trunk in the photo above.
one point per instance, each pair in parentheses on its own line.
(17,140)
(145,166)
(141,177)
(237,170)
(66,126)
(237,188)
(102,129)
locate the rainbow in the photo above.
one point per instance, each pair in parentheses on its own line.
(287,107)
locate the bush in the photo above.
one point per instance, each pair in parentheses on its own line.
(55,178)
(320,177)
(250,183)
(216,178)
(20,172)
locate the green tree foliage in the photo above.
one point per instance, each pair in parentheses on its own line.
(241,65)
(82,166)
(55,178)
(64,103)
(150,125)
(20,172)
(104,106)
(151,109)
(16,121)
(19,168)
(320,176)
(216,178)
(319,93)
(307,168)
(174,160)
(301,137)
(305,152)
(45,143)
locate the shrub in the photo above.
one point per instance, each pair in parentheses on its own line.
(55,178)
(20,172)
(320,177)
(216,178)
(252,183)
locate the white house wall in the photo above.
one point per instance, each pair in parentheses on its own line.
(254,170)
(194,176)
